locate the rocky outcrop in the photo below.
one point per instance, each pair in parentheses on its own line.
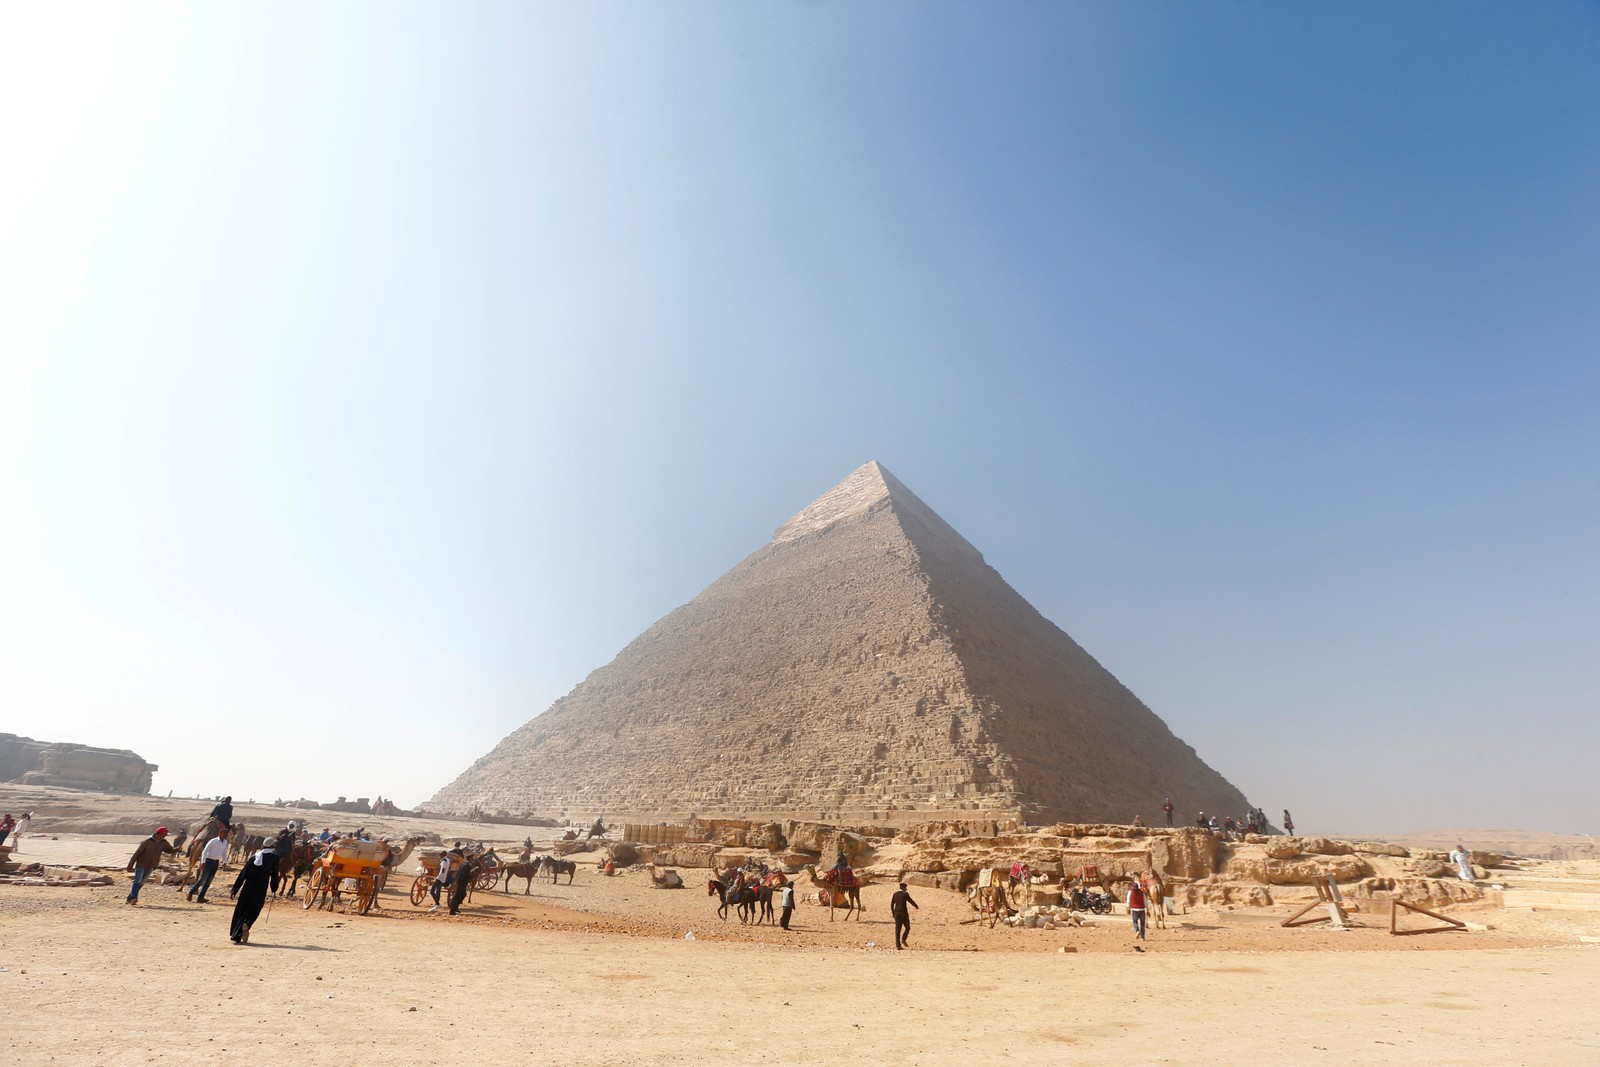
(1301,870)
(865,667)
(1199,868)
(73,766)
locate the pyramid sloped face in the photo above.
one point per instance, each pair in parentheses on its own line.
(866,666)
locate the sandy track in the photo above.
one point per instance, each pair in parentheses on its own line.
(107,983)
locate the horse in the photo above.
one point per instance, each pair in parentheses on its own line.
(557,868)
(298,865)
(764,901)
(744,901)
(523,869)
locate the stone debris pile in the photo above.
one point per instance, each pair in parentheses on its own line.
(1046,917)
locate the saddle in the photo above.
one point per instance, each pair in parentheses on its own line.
(844,879)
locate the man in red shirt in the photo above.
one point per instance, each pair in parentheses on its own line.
(1136,907)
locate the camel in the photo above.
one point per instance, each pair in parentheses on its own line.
(397,856)
(988,895)
(667,879)
(241,846)
(831,893)
(1155,900)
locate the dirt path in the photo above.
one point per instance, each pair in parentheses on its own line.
(107,983)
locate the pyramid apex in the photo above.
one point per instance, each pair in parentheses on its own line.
(863,488)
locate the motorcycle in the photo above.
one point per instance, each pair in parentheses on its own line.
(1085,900)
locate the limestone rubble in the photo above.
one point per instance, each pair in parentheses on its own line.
(1198,867)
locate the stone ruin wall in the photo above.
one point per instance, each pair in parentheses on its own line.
(72,766)
(1199,867)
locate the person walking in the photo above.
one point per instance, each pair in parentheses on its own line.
(211,857)
(21,828)
(259,874)
(146,858)
(441,881)
(786,901)
(1136,907)
(1463,861)
(1166,809)
(465,873)
(902,917)
(1288,823)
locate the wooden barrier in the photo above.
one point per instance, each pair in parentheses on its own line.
(1326,895)
(1394,920)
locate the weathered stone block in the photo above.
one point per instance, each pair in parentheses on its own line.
(73,766)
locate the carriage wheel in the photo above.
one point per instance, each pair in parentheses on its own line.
(364,895)
(487,878)
(316,883)
(419,890)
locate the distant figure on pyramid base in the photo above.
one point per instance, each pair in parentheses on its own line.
(1288,823)
(1166,809)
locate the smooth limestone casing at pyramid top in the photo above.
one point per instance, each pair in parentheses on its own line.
(865,666)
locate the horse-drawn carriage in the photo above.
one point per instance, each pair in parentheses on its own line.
(487,869)
(349,866)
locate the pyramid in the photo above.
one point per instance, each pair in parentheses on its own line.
(865,666)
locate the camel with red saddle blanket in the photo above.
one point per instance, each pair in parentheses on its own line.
(839,887)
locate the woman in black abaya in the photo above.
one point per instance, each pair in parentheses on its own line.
(260,873)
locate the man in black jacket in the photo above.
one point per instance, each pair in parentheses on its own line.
(223,813)
(902,917)
(464,877)
(259,874)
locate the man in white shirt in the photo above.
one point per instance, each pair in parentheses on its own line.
(788,904)
(442,880)
(211,858)
(21,828)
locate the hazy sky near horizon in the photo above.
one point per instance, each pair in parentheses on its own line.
(371,373)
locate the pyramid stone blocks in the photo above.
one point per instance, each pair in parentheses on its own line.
(866,665)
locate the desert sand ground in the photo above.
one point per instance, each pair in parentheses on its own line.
(601,972)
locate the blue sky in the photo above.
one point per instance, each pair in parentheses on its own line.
(373,373)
